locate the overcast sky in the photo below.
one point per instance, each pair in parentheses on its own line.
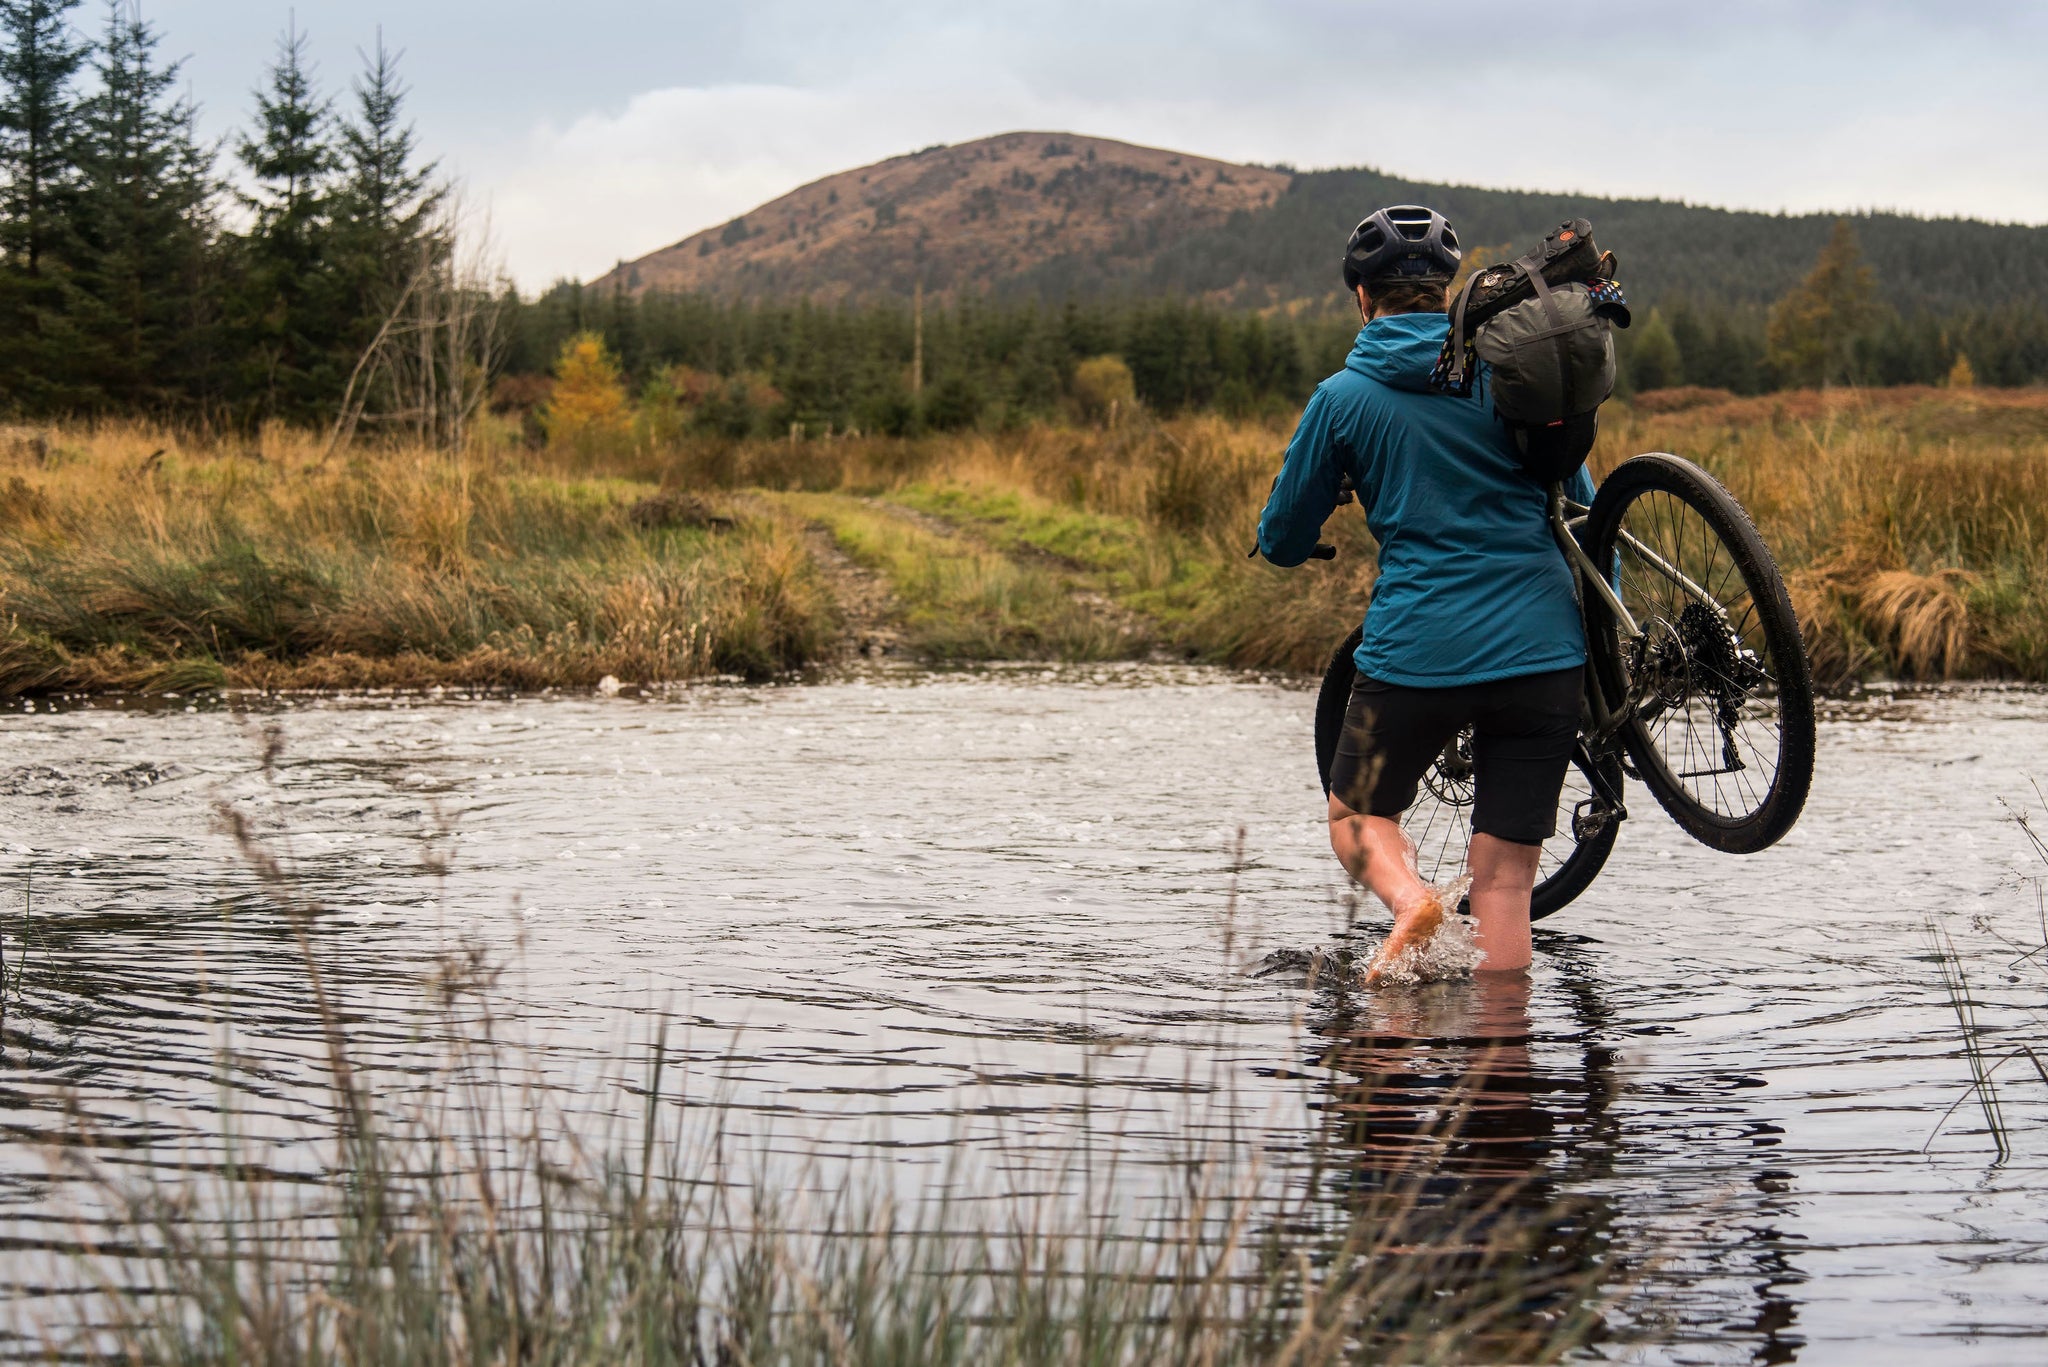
(598,130)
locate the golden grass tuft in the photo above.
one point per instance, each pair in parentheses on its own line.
(1922,619)
(1911,524)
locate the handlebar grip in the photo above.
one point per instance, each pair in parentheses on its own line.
(1323,551)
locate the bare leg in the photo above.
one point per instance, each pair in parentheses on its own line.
(1375,852)
(1502,875)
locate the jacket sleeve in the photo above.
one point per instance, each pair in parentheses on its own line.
(1305,494)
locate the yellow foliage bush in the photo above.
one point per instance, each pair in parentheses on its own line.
(588,404)
(1103,387)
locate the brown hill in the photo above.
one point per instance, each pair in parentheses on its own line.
(953,216)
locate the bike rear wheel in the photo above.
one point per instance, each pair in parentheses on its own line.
(1716,690)
(1440,821)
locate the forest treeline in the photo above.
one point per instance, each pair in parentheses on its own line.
(752,368)
(305,269)
(310,269)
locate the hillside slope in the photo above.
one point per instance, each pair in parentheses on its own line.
(958,217)
(1053,215)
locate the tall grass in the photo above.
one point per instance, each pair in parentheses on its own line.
(1909,525)
(129,559)
(1987,1050)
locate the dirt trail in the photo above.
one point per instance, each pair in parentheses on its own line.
(868,611)
(872,616)
(1122,621)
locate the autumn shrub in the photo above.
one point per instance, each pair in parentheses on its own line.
(1104,389)
(587,410)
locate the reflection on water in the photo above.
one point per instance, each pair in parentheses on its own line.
(1437,1086)
(1450,1091)
(981,917)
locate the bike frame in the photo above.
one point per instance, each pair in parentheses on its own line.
(1567,516)
(1600,729)
(1600,732)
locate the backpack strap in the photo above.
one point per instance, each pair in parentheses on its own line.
(1457,363)
(1458,342)
(1560,345)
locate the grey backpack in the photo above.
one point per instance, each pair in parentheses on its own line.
(1543,324)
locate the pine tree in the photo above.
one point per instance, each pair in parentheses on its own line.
(391,255)
(385,205)
(39,62)
(384,193)
(287,300)
(1813,330)
(1654,360)
(143,224)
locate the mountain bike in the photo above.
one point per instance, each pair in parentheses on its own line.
(1696,684)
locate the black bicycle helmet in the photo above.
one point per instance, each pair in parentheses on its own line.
(1402,239)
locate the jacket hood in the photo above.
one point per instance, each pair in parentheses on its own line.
(1400,350)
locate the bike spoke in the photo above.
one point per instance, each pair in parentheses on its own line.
(1697,713)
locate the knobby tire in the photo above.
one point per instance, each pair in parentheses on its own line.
(1710,709)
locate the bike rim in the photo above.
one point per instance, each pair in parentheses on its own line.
(1704,677)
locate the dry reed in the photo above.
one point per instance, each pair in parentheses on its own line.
(1910,526)
(130,559)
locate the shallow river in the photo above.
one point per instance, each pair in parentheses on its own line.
(905,914)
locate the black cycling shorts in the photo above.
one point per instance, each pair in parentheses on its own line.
(1523,730)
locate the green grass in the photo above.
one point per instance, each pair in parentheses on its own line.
(1203,595)
(963,598)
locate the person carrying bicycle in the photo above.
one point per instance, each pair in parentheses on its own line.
(1473,620)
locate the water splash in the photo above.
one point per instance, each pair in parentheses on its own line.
(1453,952)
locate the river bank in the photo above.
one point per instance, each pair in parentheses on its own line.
(1909,524)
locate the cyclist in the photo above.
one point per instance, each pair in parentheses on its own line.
(1472,622)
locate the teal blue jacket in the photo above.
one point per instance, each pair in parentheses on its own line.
(1471,586)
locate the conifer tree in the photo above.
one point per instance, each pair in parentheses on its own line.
(1813,329)
(390,253)
(40,59)
(385,190)
(588,405)
(143,223)
(39,62)
(1654,360)
(385,204)
(288,298)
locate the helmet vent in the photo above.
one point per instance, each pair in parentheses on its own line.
(1402,239)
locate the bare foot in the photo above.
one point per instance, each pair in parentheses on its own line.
(1411,928)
